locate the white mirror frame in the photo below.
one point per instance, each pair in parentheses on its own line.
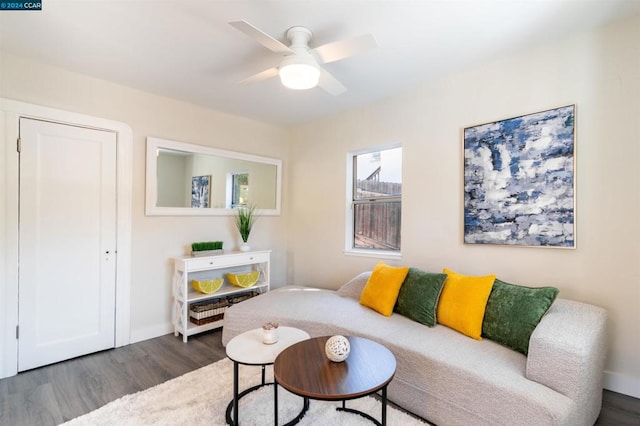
(151,208)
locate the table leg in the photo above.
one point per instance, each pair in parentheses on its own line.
(384,406)
(363,414)
(233,409)
(235,393)
(263,368)
(275,402)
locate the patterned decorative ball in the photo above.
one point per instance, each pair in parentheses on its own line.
(337,348)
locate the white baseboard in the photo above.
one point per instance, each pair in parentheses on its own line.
(151,332)
(622,384)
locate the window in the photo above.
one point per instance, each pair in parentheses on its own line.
(374,199)
(239,189)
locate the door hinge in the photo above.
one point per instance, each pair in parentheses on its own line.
(17,331)
(19,145)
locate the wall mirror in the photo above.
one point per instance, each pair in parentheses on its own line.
(195,180)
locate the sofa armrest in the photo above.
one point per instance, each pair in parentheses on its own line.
(567,350)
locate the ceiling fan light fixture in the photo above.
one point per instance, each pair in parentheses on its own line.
(299,74)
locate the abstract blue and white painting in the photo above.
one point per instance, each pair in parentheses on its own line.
(519,180)
(200,190)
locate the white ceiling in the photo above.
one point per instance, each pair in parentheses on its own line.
(186,49)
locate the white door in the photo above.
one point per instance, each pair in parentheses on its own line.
(67,234)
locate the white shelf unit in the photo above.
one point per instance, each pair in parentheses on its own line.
(188,268)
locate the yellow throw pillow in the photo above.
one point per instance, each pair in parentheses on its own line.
(383,286)
(463,301)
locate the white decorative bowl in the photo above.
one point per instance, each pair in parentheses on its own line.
(337,348)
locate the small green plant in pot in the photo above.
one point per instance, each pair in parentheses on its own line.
(206,248)
(244,219)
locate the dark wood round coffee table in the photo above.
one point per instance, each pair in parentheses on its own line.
(305,370)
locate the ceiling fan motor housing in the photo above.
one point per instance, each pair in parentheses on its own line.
(299,37)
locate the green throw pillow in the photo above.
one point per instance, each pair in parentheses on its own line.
(419,295)
(513,312)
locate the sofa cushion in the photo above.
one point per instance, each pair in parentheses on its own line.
(353,288)
(381,291)
(463,301)
(419,295)
(513,312)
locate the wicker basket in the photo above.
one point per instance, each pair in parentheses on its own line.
(207,309)
(207,320)
(213,310)
(242,297)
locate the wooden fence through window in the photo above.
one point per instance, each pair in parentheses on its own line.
(377,225)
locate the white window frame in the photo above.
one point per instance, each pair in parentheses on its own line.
(229,184)
(348,240)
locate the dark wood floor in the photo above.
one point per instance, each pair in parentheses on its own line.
(56,393)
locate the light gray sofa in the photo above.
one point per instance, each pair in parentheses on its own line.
(448,378)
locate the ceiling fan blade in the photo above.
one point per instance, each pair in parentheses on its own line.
(264,75)
(332,52)
(261,37)
(329,83)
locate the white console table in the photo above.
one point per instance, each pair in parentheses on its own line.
(188,268)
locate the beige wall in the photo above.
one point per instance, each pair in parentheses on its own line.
(156,239)
(600,73)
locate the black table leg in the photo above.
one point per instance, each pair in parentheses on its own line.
(275,402)
(235,393)
(383,421)
(384,406)
(232,420)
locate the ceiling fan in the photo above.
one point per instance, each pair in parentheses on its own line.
(300,67)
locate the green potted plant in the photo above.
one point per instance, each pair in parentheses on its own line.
(206,248)
(244,219)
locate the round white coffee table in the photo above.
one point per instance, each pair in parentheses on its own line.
(247,349)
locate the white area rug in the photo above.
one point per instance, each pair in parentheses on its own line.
(201,398)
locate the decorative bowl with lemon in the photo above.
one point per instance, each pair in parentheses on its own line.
(245,279)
